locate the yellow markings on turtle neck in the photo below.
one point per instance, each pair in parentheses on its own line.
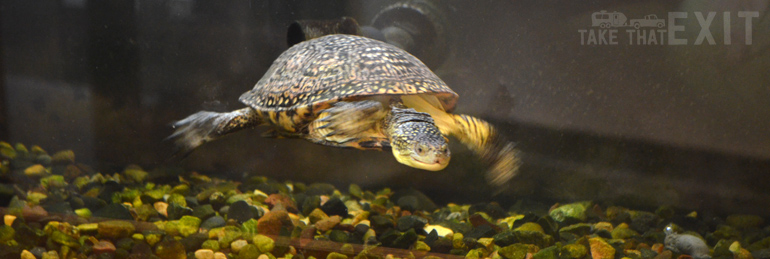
(431,105)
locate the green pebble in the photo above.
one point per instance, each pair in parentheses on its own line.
(50,255)
(317,215)
(211,244)
(623,233)
(250,227)
(338,236)
(81,181)
(88,227)
(145,211)
(21,150)
(185,226)
(249,251)
(347,249)
(135,174)
(169,249)
(152,196)
(264,243)
(137,237)
(152,238)
(575,231)
(517,251)
(182,189)
(83,212)
(421,246)
(64,239)
(475,253)
(37,170)
(335,255)
(353,206)
(355,191)
(7,151)
(64,157)
(551,252)
(231,234)
(35,198)
(116,229)
(178,199)
(574,251)
(240,197)
(530,226)
(571,212)
(6,233)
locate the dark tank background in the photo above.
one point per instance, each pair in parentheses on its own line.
(638,125)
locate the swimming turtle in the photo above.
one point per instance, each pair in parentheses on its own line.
(351,91)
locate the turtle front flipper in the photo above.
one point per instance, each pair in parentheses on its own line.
(205,126)
(494,149)
(346,123)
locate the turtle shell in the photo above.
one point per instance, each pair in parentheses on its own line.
(338,67)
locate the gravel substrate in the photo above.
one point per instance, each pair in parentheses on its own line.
(54,207)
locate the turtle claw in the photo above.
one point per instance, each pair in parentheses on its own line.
(331,134)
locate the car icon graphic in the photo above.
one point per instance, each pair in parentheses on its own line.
(649,20)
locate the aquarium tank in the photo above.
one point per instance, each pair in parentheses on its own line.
(385,129)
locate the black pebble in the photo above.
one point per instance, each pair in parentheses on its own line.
(113,211)
(412,222)
(442,245)
(408,203)
(192,202)
(241,211)
(203,212)
(643,221)
(492,209)
(388,237)
(338,236)
(406,240)
(92,203)
(63,208)
(431,238)
(194,241)
(176,211)
(109,188)
(6,193)
(309,204)
(505,238)
(481,231)
(213,222)
(380,223)
(335,206)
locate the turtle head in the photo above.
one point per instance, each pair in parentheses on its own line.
(416,141)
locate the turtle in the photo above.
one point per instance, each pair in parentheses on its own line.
(355,92)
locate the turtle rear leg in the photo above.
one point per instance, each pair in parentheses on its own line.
(205,126)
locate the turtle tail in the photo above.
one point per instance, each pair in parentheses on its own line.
(205,126)
(493,148)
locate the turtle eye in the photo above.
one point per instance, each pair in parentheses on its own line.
(420,150)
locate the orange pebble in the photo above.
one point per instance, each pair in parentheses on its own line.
(657,247)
